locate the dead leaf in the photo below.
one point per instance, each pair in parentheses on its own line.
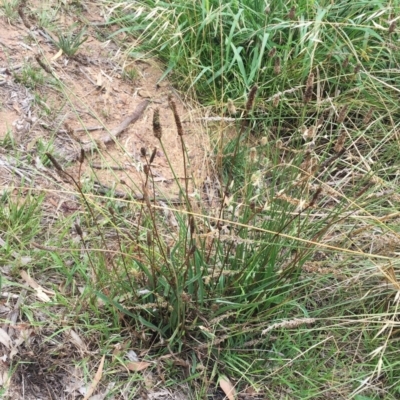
(58,55)
(99,80)
(137,365)
(96,379)
(227,387)
(4,338)
(40,291)
(76,340)
(144,93)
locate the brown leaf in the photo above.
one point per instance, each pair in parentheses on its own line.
(137,365)
(96,379)
(228,388)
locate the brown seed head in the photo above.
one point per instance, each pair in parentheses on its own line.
(54,162)
(292,13)
(78,230)
(368,116)
(340,143)
(157,131)
(315,197)
(277,66)
(251,98)
(153,155)
(309,88)
(82,156)
(272,52)
(143,151)
(342,114)
(231,107)
(275,100)
(176,116)
(392,27)
(345,62)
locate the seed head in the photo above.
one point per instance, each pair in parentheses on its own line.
(252,96)
(309,88)
(157,131)
(392,27)
(272,52)
(231,107)
(368,116)
(340,143)
(178,122)
(277,66)
(342,114)
(292,13)
(153,155)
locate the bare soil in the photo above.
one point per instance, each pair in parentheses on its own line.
(60,107)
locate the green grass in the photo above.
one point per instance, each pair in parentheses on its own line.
(289,286)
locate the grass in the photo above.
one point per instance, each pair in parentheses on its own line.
(288,286)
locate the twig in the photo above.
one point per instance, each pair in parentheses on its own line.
(114,133)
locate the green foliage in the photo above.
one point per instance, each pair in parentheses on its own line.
(70,42)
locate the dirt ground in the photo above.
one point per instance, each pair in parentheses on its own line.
(53,103)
